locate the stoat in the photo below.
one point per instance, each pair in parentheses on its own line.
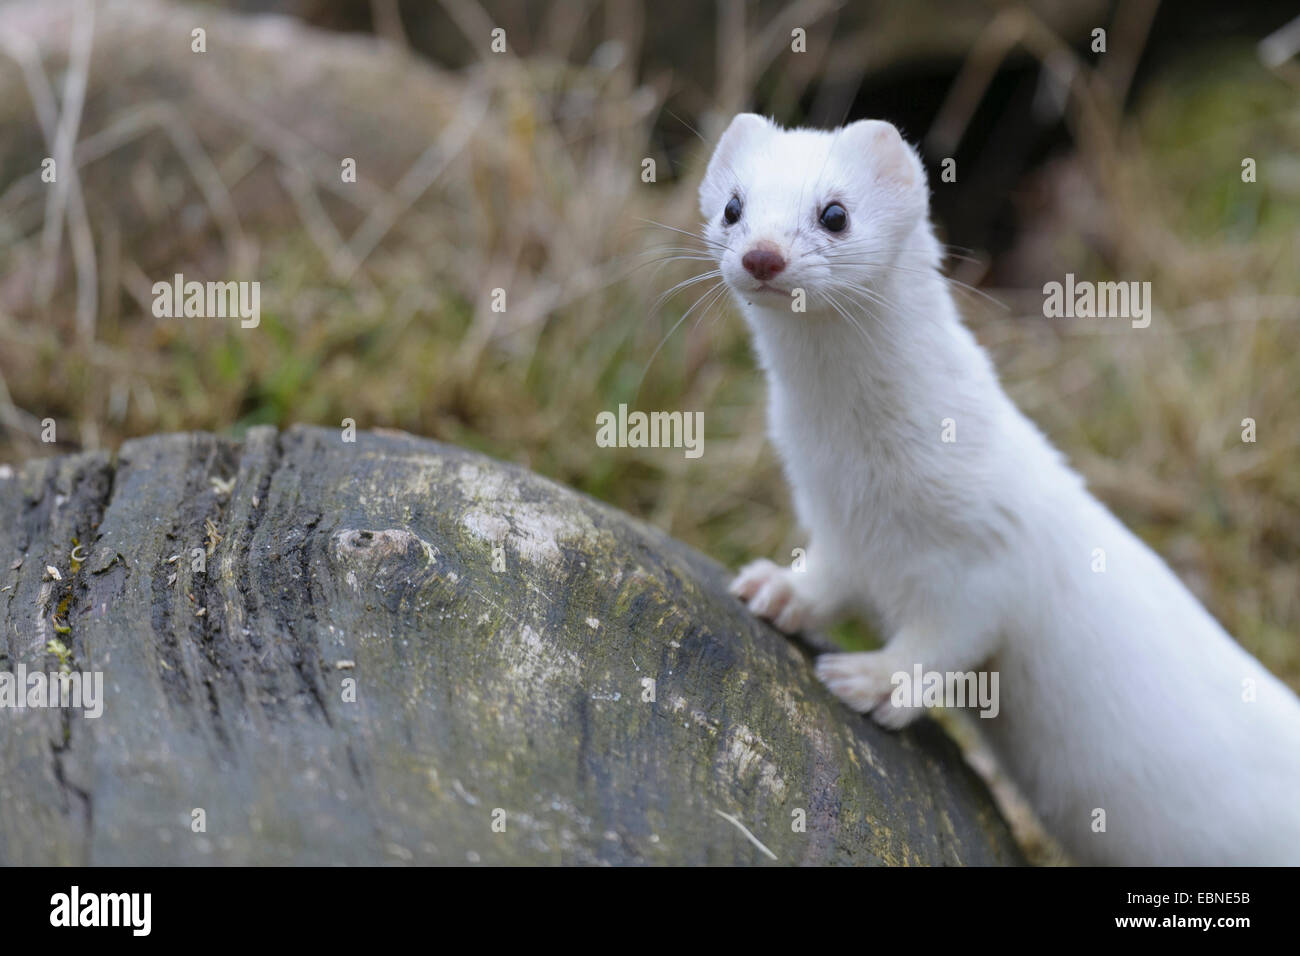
(1139,730)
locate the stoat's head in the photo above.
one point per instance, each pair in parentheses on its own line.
(808,209)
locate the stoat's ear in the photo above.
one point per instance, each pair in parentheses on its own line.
(739,135)
(889,156)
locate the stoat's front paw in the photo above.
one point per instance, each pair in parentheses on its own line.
(769,592)
(864,681)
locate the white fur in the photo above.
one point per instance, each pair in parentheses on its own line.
(1119,692)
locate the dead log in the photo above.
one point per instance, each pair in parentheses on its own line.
(392,650)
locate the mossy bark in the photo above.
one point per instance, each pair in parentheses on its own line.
(503,634)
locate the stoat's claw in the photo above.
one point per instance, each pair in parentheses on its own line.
(768,590)
(864,681)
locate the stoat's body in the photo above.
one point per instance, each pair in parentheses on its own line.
(1119,694)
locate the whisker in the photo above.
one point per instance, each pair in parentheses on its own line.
(872,295)
(864,299)
(709,243)
(664,297)
(664,340)
(834,304)
(838,260)
(685,250)
(663,261)
(687,125)
(719,296)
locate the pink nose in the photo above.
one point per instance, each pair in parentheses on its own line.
(763,262)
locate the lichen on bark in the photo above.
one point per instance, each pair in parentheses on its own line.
(534,677)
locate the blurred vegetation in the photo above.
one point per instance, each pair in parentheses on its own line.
(545,200)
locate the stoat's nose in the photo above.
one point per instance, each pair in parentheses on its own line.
(763,261)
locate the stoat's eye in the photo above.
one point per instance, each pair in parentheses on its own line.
(732,212)
(835,217)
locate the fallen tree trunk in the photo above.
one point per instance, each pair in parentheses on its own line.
(392,650)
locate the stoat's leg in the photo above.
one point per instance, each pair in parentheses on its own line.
(792,600)
(865,681)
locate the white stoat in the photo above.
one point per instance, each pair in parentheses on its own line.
(1119,693)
